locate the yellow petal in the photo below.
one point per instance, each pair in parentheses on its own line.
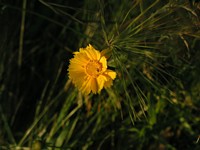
(94,86)
(76,67)
(86,88)
(111,73)
(81,50)
(81,58)
(77,78)
(92,53)
(104,63)
(101,80)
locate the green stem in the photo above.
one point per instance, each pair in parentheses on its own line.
(21,38)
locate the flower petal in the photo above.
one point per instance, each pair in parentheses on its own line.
(92,53)
(94,85)
(104,63)
(81,57)
(111,73)
(86,86)
(76,66)
(77,78)
(101,80)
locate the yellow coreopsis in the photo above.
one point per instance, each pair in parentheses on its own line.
(88,71)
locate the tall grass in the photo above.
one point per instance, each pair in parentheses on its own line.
(154,101)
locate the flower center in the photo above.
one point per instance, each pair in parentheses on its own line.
(93,68)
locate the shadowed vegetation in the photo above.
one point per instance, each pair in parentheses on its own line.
(154,46)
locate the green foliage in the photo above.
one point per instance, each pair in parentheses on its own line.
(154,102)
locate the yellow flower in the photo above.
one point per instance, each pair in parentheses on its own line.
(88,71)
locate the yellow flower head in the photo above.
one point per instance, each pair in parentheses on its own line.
(88,71)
